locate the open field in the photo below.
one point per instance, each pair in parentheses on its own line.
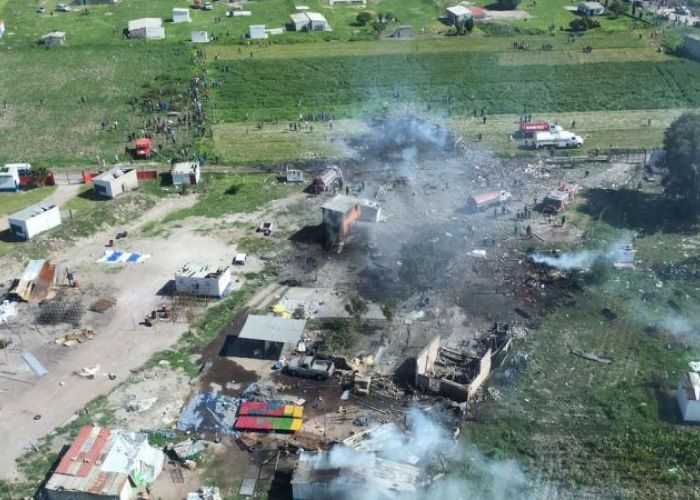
(447,82)
(240,143)
(12,202)
(612,426)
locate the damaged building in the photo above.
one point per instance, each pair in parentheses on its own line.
(38,280)
(104,464)
(458,374)
(339,214)
(318,476)
(203,280)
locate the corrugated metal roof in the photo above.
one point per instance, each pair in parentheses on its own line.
(273,329)
(32,211)
(341,203)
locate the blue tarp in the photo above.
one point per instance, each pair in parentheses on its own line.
(208,412)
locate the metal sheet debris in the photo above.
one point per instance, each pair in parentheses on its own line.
(34,364)
(207,412)
(247,488)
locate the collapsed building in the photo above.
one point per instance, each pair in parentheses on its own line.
(38,280)
(317,476)
(459,374)
(104,464)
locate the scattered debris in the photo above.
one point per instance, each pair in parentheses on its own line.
(188,448)
(140,405)
(7,310)
(205,493)
(207,412)
(34,364)
(88,372)
(103,304)
(75,337)
(591,357)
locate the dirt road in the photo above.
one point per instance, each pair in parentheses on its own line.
(121,344)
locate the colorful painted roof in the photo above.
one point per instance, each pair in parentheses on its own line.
(282,424)
(270,409)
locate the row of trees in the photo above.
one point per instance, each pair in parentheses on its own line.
(682,145)
(378,22)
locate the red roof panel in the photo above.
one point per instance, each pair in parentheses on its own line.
(74,451)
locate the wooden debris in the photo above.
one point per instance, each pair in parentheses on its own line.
(591,357)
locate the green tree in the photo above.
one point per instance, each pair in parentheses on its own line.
(507,4)
(617,8)
(363,18)
(682,145)
(378,26)
(389,312)
(469,24)
(38,175)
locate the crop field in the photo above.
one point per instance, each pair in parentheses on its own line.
(448,82)
(609,426)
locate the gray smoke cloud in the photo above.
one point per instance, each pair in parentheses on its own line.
(430,446)
(583,259)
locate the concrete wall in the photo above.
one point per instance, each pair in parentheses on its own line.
(425,361)
(484,372)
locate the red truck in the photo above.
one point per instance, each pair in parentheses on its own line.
(558,199)
(142,149)
(528,129)
(480,201)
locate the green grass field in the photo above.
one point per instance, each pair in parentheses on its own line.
(12,202)
(614,428)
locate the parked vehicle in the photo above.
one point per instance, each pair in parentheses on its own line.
(557,137)
(309,366)
(485,200)
(41,9)
(331,177)
(558,199)
(61,7)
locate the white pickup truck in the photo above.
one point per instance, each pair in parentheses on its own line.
(309,366)
(557,137)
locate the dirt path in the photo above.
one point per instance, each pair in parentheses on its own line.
(121,344)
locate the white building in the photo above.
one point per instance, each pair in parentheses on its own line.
(347,2)
(181,15)
(311,21)
(257,32)
(115,182)
(688,397)
(194,279)
(33,220)
(147,28)
(199,37)
(53,39)
(185,173)
(591,8)
(10,175)
(101,465)
(456,14)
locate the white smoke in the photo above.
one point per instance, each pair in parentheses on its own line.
(583,259)
(430,446)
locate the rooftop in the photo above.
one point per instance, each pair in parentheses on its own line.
(145,22)
(318,467)
(341,203)
(201,271)
(33,211)
(100,461)
(315,16)
(54,34)
(593,5)
(273,329)
(184,167)
(459,10)
(114,173)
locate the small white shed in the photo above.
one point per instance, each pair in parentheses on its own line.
(181,15)
(688,396)
(317,22)
(203,280)
(53,39)
(299,21)
(114,182)
(257,32)
(199,37)
(147,28)
(185,173)
(33,220)
(591,8)
(457,14)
